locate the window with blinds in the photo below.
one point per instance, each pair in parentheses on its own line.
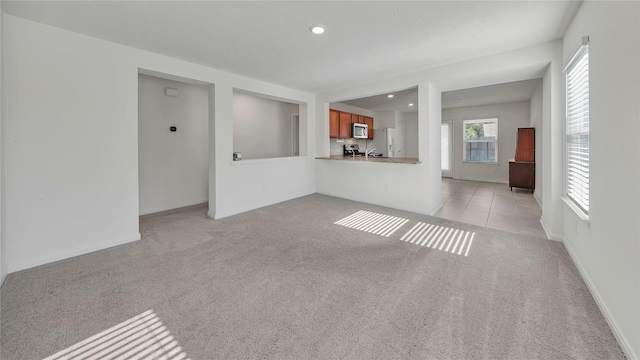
(577,121)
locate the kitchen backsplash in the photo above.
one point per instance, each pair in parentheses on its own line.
(337,148)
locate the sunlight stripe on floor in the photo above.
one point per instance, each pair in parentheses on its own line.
(141,337)
(374,223)
(440,238)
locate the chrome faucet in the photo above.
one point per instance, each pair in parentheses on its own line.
(367,152)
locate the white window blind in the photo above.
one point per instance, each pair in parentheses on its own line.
(577,121)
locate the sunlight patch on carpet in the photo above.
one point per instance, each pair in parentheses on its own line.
(141,337)
(379,224)
(451,240)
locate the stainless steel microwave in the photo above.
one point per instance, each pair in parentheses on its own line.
(359,131)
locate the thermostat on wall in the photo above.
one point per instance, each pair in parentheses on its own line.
(173,128)
(171,92)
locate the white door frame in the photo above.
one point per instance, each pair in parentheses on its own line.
(295,135)
(449,124)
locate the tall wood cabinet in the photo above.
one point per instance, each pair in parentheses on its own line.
(522,169)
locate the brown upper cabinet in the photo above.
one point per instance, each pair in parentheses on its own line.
(334,124)
(340,124)
(369,121)
(345,125)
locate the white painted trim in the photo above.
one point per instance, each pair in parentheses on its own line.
(81,250)
(347,197)
(176,206)
(538,200)
(5,271)
(482,180)
(622,340)
(217,216)
(550,235)
(438,209)
(481,163)
(579,213)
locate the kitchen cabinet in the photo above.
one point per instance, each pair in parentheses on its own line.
(344,131)
(340,124)
(369,121)
(334,124)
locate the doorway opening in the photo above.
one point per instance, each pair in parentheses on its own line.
(295,135)
(173,142)
(446,151)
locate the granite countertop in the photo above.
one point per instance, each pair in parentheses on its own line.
(379,159)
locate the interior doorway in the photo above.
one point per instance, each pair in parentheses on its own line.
(295,135)
(173,143)
(446,151)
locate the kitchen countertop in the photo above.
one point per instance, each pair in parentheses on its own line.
(379,159)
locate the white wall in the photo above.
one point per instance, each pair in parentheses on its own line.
(535,121)
(418,187)
(607,250)
(173,166)
(3,252)
(71,142)
(385,119)
(411,134)
(399,145)
(551,168)
(511,116)
(262,128)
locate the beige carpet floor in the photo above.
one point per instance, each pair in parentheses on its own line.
(286,282)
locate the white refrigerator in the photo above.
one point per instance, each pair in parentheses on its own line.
(383,141)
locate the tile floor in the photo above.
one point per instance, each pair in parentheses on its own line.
(492,205)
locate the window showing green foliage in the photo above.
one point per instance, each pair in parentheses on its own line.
(481,140)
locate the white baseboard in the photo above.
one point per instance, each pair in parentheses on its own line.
(4,272)
(550,235)
(497,181)
(393,206)
(224,214)
(438,209)
(65,254)
(173,206)
(622,340)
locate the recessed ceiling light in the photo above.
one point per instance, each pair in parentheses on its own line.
(411,104)
(390,95)
(317,29)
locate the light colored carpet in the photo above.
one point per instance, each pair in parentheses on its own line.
(285,282)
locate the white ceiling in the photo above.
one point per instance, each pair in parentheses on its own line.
(484,95)
(271,41)
(399,102)
(492,94)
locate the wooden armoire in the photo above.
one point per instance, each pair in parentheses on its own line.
(522,169)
